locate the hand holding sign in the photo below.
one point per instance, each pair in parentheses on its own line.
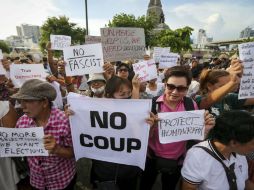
(50,143)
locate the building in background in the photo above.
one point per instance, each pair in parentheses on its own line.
(247,33)
(29,31)
(202,39)
(155,10)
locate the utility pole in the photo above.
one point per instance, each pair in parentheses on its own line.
(86,17)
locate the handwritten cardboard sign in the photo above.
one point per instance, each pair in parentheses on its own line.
(123,43)
(84,59)
(157,51)
(181,126)
(1,54)
(19,73)
(92,39)
(146,70)
(59,42)
(246,53)
(17,142)
(168,60)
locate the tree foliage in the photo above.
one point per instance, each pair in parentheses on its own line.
(61,26)
(4,47)
(178,39)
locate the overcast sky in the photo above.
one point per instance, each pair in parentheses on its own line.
(223,19)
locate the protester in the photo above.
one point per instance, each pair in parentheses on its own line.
(122,70)
(168,158)
(219,163)
(57,171)
(9,176)
(218,89)
(107,174)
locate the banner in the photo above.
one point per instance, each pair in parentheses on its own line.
(181,126)
(123,43)
(92,39)
(19,73)
(246,53)
(18,142)
(111,130)
(59,42)
(168,60)
(84,59)
(157,51)
(146,70)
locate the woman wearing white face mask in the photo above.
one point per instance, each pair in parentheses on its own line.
(97,85)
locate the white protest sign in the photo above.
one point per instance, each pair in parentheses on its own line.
(17,142)
(2,70)
(58,102)
(181,126)
(123,43)
(19,73)
(84,59)
(146,70)
(168,60)
(1,54)
(157,51)
(59,42)
(246,53)
(92,39)
(112,130)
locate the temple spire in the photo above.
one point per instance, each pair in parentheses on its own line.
(156,3)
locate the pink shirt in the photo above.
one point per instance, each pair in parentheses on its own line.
(170,150)
(51,172)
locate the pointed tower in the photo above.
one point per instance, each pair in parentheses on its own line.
(155,9)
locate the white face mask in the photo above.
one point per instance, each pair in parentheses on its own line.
(98,90)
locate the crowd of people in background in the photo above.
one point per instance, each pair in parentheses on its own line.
(207,165)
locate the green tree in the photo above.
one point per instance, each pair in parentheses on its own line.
(125,20)
(178,40)
(61,26)
(4,47)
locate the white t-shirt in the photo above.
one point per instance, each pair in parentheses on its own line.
(160,87)
(200,168)
(193,88)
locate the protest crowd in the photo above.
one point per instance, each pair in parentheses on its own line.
(110,122)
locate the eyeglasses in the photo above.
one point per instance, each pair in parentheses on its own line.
(123,70)
(172,87)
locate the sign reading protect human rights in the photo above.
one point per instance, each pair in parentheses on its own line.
(18,142)
(59,42)
(181,126)
(123,43)
(83,59)
(111,130)
(20,73)
(246,53)
(146,70)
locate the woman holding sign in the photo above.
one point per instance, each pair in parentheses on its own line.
(218,89)
(168,158)
(56,171)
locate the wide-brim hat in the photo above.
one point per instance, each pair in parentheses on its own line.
(35,89)
(96,76)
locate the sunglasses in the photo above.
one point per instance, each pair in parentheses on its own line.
(123,70)
(172,87)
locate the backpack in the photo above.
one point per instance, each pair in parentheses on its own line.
(188,104)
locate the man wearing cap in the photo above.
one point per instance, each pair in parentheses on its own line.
(57,171)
